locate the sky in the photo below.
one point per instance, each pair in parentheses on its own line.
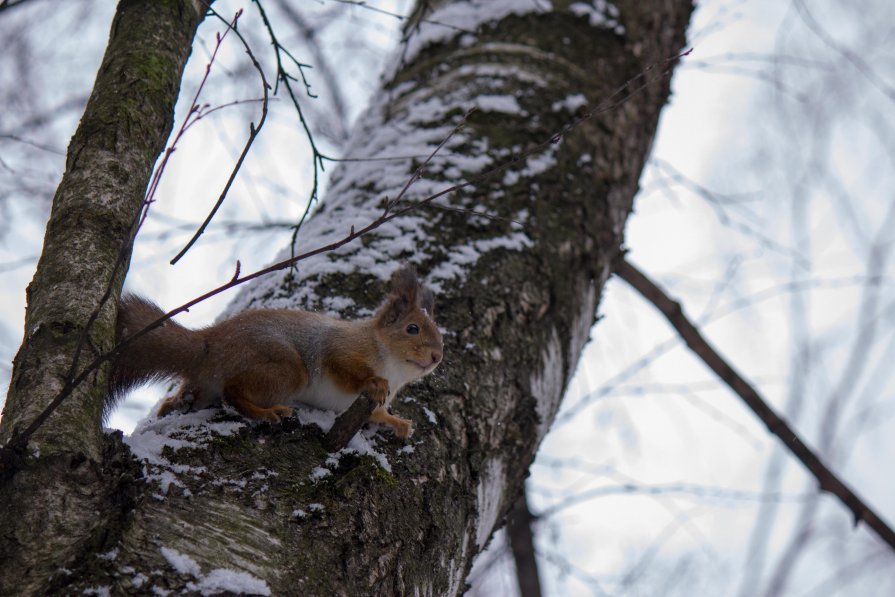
(763,209)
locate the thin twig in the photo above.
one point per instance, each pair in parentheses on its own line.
(400,17)
(776,425)
(253,131)
(318,158)
(860,65)
(326,71)
(7,4)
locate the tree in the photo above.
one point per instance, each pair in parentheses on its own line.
(518,284)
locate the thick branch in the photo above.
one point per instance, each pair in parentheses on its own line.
(61,498)
(826,478)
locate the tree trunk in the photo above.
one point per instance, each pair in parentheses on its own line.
(55,507)
(263,508)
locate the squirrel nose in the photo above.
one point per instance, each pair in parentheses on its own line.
(436,357)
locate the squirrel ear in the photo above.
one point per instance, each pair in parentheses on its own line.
(426,301)
(402,296)
(394,308)
(405,284)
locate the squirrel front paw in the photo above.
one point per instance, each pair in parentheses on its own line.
(377,388)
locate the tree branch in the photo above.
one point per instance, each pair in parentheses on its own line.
(826,478)
(349,423)
(521,538)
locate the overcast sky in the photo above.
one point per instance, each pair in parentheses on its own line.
(764,210)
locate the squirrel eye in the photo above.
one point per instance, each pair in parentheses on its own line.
(413,329)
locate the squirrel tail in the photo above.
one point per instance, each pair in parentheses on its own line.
(165,352)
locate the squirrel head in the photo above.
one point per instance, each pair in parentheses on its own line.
(406,327)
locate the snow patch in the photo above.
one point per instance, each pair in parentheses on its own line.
(534,165)
(457,569)
(231,581)
(183,563)
(463,257)
(217,580)
(318,472)
(464,18)
(139,580)
(570,104)
(547,384)
(363,443)
(189,430)
(506,104)
(323,419)
(488,499)
(600,13)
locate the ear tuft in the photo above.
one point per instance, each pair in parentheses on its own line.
(402,296)
(406,293)
(405,284)
(427,302)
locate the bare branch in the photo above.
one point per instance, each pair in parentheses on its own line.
(521,538)
(826,478)
(860,65)
(253,130)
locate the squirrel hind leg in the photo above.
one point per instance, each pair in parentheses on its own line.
(259,392)
(183,397)
(189,398)
(250,410)
(170,403)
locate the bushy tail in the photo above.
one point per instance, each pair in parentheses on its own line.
(168,351)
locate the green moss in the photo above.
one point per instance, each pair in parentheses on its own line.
(386,477)
(154,70)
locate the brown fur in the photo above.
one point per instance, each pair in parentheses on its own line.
(258,361)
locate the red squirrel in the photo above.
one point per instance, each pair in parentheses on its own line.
(261,361)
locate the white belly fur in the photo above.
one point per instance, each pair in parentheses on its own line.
(323,393)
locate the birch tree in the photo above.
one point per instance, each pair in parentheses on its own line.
(544,116)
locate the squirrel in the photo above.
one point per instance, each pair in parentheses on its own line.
(262,361)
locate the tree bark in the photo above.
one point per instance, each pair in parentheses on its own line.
(48,510)
(517,288)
